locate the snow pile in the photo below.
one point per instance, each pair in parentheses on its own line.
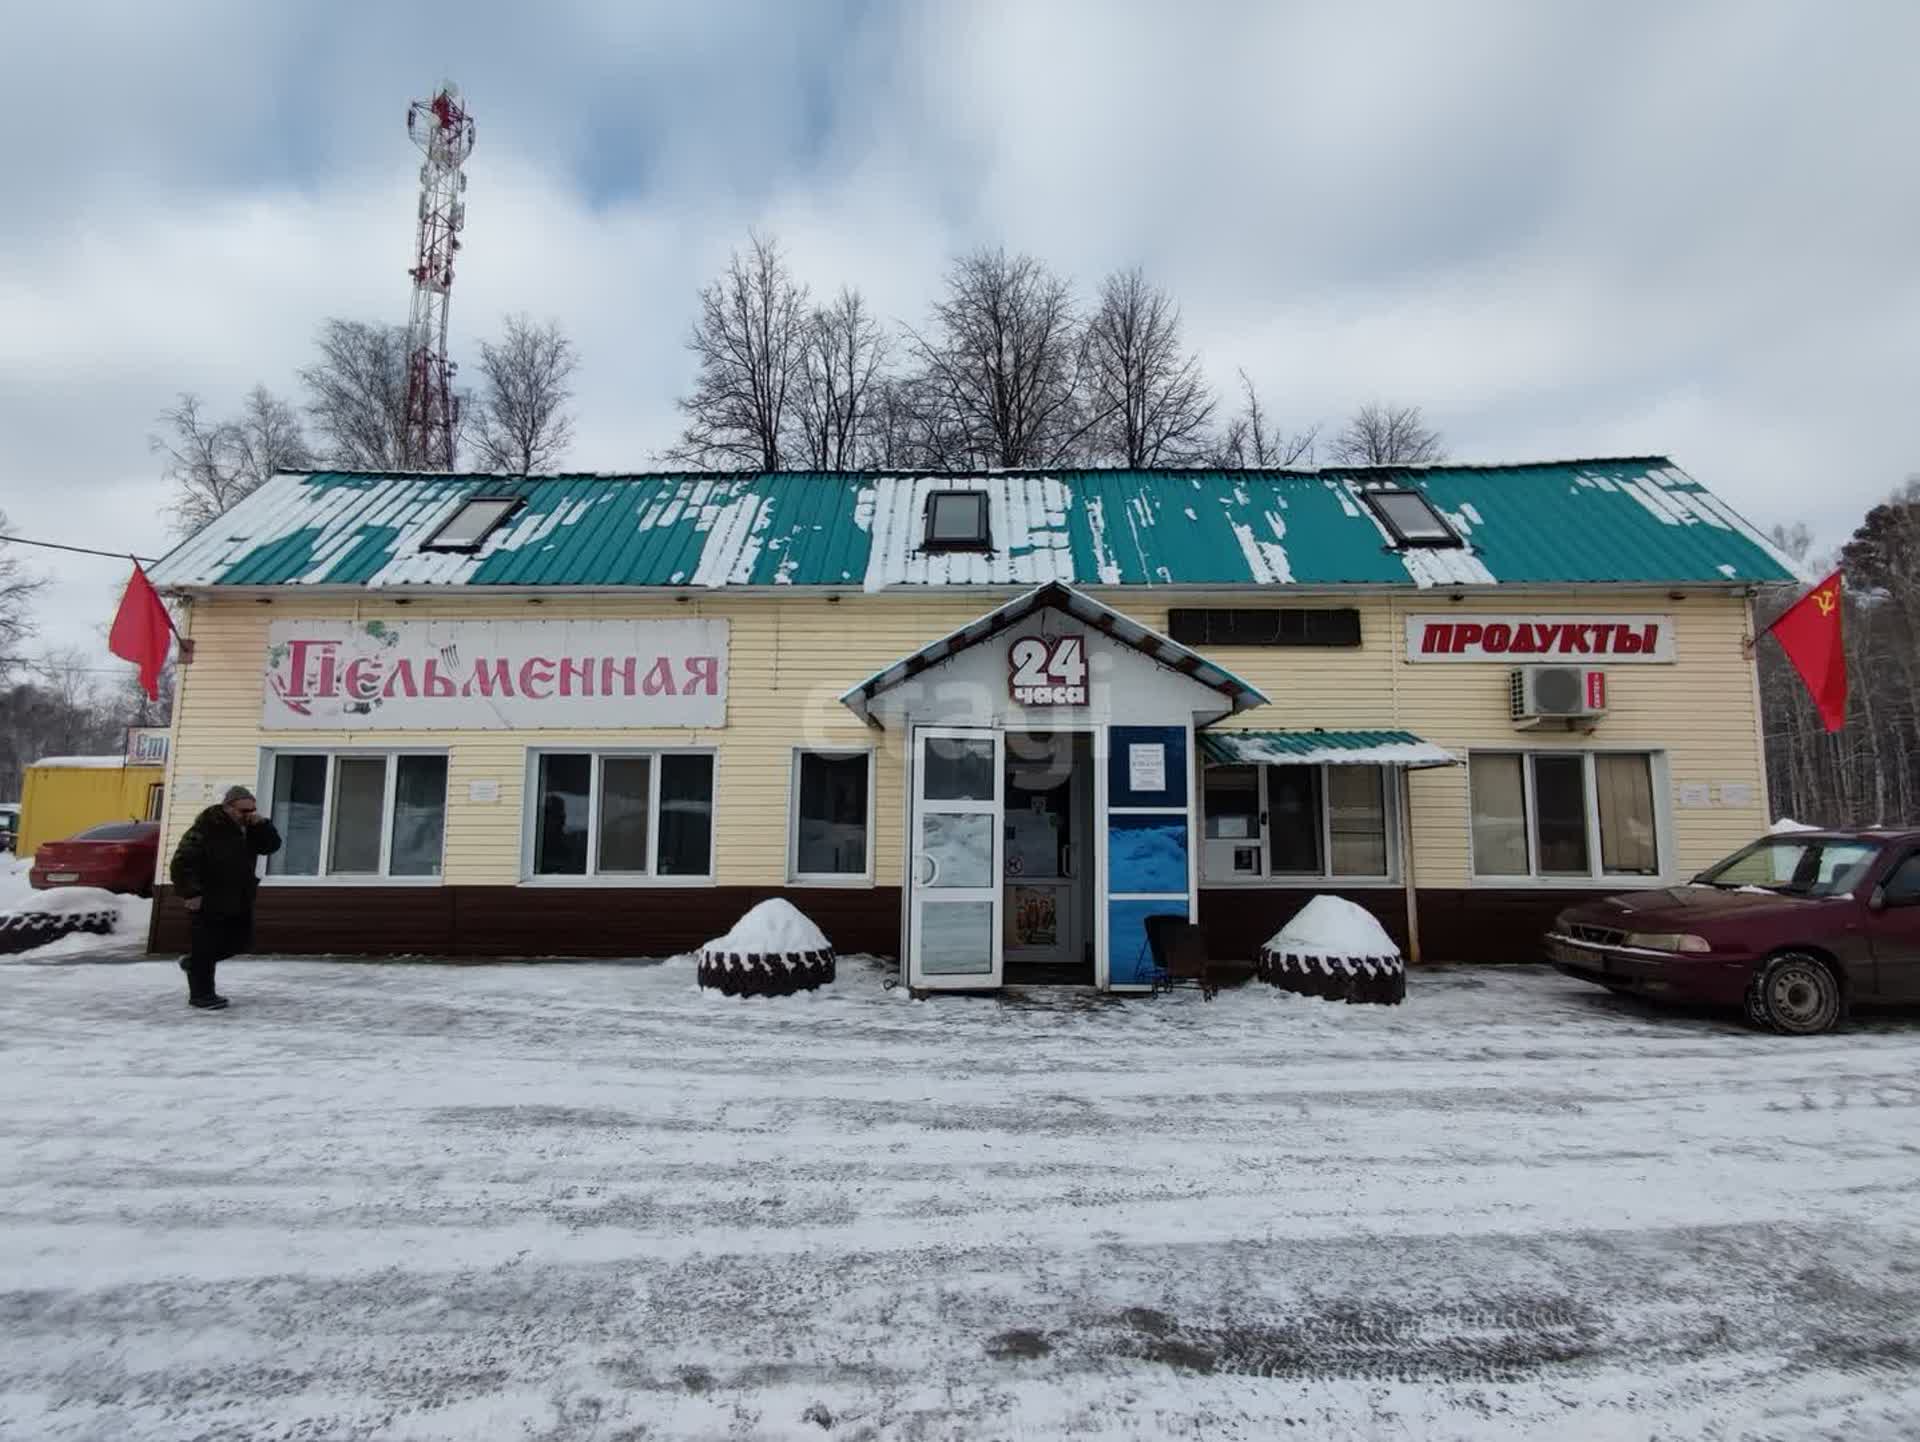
(1335,949)
(1787,824)
(31,920)
(82,763)
(771,951)
(15,886)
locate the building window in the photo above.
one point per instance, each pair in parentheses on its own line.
(471,523)
(1268,626)
(156,800)
(830,831)
(1410,518)
(957,521)
(622,814)
(1299,823)
(367,814)
(1576,815)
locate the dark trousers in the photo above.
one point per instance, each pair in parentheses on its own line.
(215,938)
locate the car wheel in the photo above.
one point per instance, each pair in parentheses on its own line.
(1795,995)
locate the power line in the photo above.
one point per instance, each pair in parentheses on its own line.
(78,550)
(43,663)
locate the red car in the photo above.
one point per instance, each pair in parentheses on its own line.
(1794,929)
(116,856)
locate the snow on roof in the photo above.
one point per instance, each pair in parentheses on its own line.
(1632,520)
(98,763)
(1322,748)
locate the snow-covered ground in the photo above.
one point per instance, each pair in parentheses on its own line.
(591,1202)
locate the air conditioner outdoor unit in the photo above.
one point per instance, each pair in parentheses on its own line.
(1556,693)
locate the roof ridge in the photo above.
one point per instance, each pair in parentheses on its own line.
(906,472)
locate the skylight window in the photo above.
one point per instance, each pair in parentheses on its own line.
(1410,518)
(957,521)
(471,524)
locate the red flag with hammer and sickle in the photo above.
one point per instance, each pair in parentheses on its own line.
(1809,632)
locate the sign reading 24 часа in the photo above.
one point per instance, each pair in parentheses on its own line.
(1048,671)
(493,675)
(1520,637)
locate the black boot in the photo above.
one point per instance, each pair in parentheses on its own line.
(208,1003)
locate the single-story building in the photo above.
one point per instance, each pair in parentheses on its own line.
(984,723)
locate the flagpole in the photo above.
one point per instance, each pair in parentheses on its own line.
(186,646)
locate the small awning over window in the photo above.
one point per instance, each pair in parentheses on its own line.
(1321,748)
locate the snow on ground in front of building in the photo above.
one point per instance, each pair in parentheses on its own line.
(1333,926)
(590,1202)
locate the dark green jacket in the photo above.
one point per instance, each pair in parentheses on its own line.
(216,862)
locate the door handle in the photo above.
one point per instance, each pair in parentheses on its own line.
(1066,859)
(921,859)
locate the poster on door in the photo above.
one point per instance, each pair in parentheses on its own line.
(1034,912)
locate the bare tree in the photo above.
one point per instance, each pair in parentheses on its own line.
(840,386)
(17,590)
(1149,401)
(1001,366)
(214,465)
(357,396)
(751,340)
(519,422)
(1249,438)
(1381,435)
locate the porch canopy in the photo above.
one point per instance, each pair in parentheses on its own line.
(1321,748)
(1235,694)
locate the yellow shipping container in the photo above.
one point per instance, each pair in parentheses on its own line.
(64,795)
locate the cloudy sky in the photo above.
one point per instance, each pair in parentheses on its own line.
(1564,229)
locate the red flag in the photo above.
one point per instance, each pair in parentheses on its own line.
(1809,632)
(141,628)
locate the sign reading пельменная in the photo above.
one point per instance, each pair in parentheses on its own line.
(1544,639)
(493,675)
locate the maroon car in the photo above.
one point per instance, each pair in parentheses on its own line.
(1794,929)
(116,856)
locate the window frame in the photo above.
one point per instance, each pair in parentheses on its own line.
(270,759)
(1596,877)
(981,543)
(512,506)
(1448,539)
(1326,876)
(797,877)
(593,876)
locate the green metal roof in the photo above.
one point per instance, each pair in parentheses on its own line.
(1326,748)
(1563,522)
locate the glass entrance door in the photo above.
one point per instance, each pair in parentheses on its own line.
(953,937)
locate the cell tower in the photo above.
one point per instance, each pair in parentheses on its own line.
(444,133)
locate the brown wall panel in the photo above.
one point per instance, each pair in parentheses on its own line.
(512,921)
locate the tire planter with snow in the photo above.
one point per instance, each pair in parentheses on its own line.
(772,951)
(1336,950)
(24,930)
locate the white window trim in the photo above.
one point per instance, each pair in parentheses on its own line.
(270,759)
(530,792)
(1270,879)
(1595,879)
(797,877)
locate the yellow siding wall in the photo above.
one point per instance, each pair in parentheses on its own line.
(791,657)
(57,801)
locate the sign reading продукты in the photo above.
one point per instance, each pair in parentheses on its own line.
(1048,671)
(1527,638)
(494,675)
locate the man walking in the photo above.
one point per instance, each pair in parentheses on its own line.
(214,873)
